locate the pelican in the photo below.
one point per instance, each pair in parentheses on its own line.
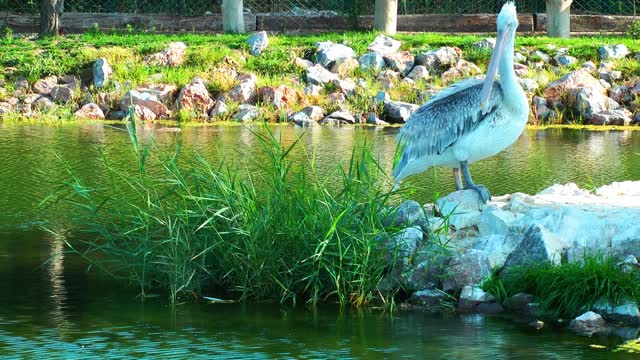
(469,121)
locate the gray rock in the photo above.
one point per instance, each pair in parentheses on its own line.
(519,58)
(61,94)
(388,79)
(258,42)
(406,242)
(488,308)
(462,69)
(587,102)
(626,313)
(589,65)
(401,62)
(487,43)
(219,109)
(329,52)
(620,94)
(44,86)
(381,98)
(440,59)
(408,214)
(384,45)
(346,86)
(459,202)
(419,72)
(243,93)
(302,63)
(398,112)
(246,113)
(619,117)
(537,246)
(537,54)
(520,301)
(496,221)
(372,61)
(428,297)
(320,76)
(42,103)
(529,85)
(469,268)
(339,118)
(102,72)
(21,86)
(372,119)
(115,115)
(5,107)
(617,52)
(344,67)
(564,60)
(497,248)
(471,297)
(588,324)
(315,113)
(609,75)
(312,89)
(301,119)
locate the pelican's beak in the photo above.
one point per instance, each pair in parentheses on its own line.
(492,70)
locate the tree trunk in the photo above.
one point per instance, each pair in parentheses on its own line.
(386,16)
(50,13)
(232,16)
(558,18)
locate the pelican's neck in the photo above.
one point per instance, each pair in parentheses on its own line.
(508,77)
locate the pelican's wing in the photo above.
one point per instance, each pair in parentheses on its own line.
(439,123)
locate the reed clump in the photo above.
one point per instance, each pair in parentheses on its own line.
(283,232)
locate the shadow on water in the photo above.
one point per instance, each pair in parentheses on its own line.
(52,306)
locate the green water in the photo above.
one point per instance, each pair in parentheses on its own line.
(52,307)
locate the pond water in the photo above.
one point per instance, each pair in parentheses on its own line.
(51,306)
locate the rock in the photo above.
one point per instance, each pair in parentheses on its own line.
(609,75)
(195,97)
(302,63)
(471,297)
(5,107)
(628,264)
(577,80)
(313,90)
(44,86)
(398,112)
(438,60)
(384,45)
(619,51)
(318,75)
(388,79)
(339,118)
(537,54)
(488,308)
(428,297)
(469,268)
(175,55)
(408,214)
(301,119)
(459,202)
(346,86)
(587,102)
(315,113)
(258,41)
(626,313)
(329,52)
(337,99)
(372,119)
(21,86)
(281,97)
(487,43)
(401,62)
(538,245)
(497,247)
(520,301)
(382,97)
(529,85)
(537,324)
(344,67)
(146,100)
(166,93)
(246,113)
(620,94)
(588,324)
(219,109)
(419,72)
(521,70)
(406,242)
(519,58)
(61,94)
(102,72)
(589,65)
(605,84)
(462,69)
(143,113)
(243,93)
(90,111)
(116,115)
(619,117)
(372,61)
(42,103)
(564,60)
(495,221)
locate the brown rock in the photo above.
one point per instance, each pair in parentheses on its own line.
(281,97)
(149,101)
(44,86)
(578,79)
(195,96)
(90,111)
(143,113)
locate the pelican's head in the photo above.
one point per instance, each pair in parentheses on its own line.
(507,24)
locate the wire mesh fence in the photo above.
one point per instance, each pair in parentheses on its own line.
(320,7)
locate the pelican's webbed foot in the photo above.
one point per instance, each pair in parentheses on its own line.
(485,195)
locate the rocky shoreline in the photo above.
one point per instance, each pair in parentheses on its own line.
(559,225)
(594,94)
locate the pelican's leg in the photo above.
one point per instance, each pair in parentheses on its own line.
(457,177)
(485,195)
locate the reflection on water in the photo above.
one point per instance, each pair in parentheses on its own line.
(51,306)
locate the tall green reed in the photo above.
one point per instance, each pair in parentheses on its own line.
(186,226)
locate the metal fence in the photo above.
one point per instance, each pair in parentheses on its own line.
(306,7)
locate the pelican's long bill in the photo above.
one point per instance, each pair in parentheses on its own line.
(492,70)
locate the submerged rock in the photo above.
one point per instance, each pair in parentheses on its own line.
(588,324)
(428,298)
